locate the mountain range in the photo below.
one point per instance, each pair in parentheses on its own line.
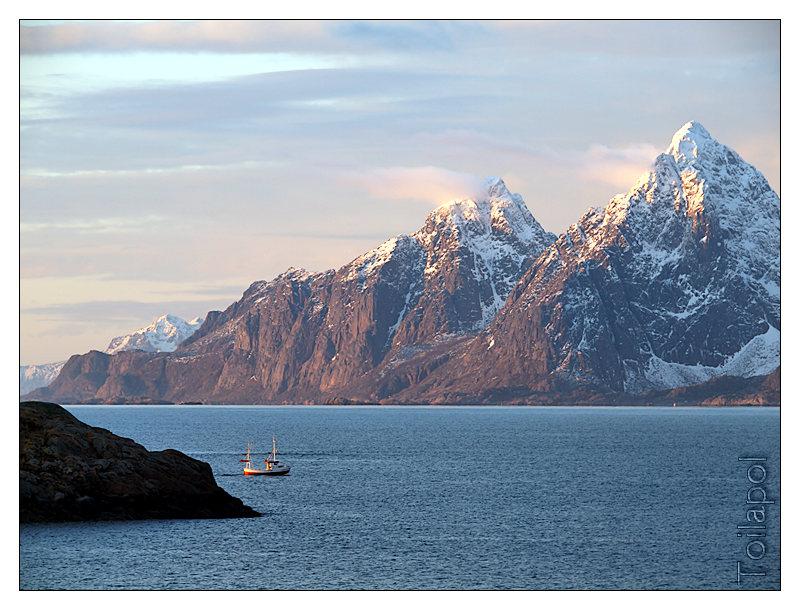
(670,293)
(163,335)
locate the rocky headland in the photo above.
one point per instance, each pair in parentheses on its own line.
(69,471)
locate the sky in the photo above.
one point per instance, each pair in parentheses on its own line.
(165,166)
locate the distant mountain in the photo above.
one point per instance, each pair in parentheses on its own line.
(673,284)
(163,335)
(34,376)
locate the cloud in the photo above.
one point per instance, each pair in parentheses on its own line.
(91,311)
(428,184)
(146,171)
(410,35)
(594,38)
(617,167)
(97,225)
(190,36)
(245,36)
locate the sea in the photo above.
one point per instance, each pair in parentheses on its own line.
(445,498)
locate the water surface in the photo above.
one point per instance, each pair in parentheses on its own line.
(438,498)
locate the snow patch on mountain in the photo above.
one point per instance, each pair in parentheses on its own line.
(371,262)
(760,356)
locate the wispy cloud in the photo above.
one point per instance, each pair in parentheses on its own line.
(428,184)
(97,225)
(684,38)
(228,36)
(147,171)
(615,166)
(122,310)
(410,35)
(250,36)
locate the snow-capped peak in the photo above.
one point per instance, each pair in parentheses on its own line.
(488,238)
(495,223)
(690,144)
(703,226)
(472,249)
(496,188)
(493,209)
(697,175)
(292,274)
(163,335)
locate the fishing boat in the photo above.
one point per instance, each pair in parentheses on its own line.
(273,467)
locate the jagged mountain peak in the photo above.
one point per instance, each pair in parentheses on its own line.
(167,319)
(34,376)
(494,214)
(696,176)
(693,150)
(292,274)
(689,141)
(490,200)
(494,209)
(373,260)
(496,187)
(297,274)
(689,257)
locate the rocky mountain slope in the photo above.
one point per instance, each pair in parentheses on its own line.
(304,335)
(675,283)
(73,472)
(672,284)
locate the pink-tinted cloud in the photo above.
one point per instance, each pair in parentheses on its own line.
(428,184)
(617,167)
(226,36)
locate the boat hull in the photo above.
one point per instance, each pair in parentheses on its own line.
(275,472)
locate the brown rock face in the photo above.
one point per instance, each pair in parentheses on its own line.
(73,472)
(319,337)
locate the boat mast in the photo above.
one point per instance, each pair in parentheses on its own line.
(246,459)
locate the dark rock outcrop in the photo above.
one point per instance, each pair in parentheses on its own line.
(70,471)
(763,390)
